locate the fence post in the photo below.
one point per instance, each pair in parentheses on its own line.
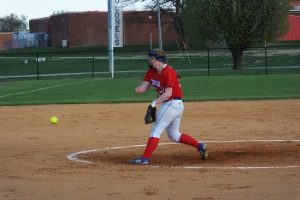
(93,66)
(208,62)
(266,59)
(37,67)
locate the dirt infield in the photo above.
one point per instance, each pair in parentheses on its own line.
(254,152)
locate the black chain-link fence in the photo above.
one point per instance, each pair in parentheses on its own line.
(133,63)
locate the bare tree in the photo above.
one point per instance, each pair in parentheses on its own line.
(12,23)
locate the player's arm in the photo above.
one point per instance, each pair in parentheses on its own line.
(143,87)
(163,97)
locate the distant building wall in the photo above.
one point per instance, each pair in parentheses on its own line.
(294,30)
(59,26)
(4,37)
(87,29)
(141,27)
(294,22)
(90,28)
(40,25)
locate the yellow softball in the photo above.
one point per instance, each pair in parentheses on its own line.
(53,120)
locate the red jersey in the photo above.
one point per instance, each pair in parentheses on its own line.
(167,78)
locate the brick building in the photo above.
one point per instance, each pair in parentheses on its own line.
(90,28)
(294,23)
(40,25)
(294,30)
(4,37)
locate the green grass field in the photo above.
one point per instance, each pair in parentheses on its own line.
(66,74)
(197,88)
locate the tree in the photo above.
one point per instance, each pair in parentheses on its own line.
(12,23)
(239,24)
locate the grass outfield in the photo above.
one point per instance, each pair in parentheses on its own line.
(121,90)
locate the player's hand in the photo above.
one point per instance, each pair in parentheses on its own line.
(153,103)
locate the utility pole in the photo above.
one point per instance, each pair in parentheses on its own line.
(110,37)
(159,25)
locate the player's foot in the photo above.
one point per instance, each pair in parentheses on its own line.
(203,150)
(139,161)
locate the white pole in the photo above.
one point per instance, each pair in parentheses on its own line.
(110,37)
(159,24)
(150,35)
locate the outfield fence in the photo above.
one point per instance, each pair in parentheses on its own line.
(133,63)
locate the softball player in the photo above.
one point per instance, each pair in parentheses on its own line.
(165,81)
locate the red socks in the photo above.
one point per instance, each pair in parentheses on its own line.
(151,146)
(186,139)
(153,142)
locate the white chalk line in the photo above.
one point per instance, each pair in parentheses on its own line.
(49,87)
(73,156)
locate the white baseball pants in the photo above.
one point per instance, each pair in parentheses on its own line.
(168,118)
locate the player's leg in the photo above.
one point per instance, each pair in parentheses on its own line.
(150,147)
(164,117)
(176,136)
(173,128)
(200,146)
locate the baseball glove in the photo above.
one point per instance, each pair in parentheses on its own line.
(150,115)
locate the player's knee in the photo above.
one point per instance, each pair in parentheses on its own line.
(174,137)
(155,133)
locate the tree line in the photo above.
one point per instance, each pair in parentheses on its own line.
(13,23)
